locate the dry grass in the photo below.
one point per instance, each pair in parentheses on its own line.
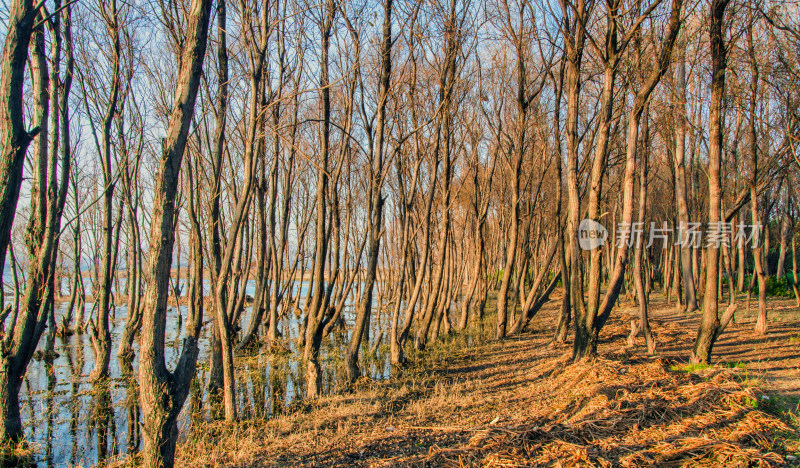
(520,402)
(17,453)
(612,413)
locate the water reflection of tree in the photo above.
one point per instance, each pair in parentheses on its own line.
(49,397)
(278,370)
(131,404)
(196,399)
(259,386)
(75,366)
(102,419)
(30,404)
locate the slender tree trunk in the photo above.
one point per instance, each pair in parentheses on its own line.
(14,138)
(316,311)
(533,300)
(761,321)
(511,248)
(134,319)
(565,311)
(687,274)
(518,153)
(794,270)
(229,298)
(758,251)
(397,336)
(473,285)
(588,330)
(784,236)
(574,57)
(162,392)
(740,250)
(263,261)
(711,325)
(375,202)
(638,270)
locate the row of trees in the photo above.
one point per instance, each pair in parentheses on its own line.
(398,159)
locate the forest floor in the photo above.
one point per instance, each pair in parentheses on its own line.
(520,402)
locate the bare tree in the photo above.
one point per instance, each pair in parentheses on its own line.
(712,325)
(317,311)
(687,276)
(590,319)
(163,392)
(375,199)
(100,329)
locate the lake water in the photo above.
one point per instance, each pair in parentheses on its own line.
(70,421)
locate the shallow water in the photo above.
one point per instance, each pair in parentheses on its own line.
(70,421)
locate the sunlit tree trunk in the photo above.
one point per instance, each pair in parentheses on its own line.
(639,275)
(14,138)
(101,331)
(565,309)
(586,333)
(162,392)
(375,198)
(711,326)
(687,275)
(758,248)
(316,311)
(573,26)
(784,233)
(443,152)
(215,248)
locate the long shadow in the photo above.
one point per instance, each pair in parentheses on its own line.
(596,427)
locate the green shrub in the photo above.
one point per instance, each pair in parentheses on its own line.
(776,287)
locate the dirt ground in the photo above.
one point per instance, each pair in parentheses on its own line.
(520,402)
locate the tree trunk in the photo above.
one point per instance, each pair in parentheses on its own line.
(315,313)
(687,275)
(638,271)
(794,270)
(740,250)
(565,311)
(31,314)
(574,56)
(511,248)
(711,326)
(163,393)
(473,285)
(761,322)
(588,324)
(14,139)
(375,202)
(515,166)
(443,151)
(785,221)
(11,429)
